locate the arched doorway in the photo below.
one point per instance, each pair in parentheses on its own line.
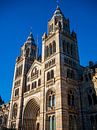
(31,116)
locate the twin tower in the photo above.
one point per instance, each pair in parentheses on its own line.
(46,92)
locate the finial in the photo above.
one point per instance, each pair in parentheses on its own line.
(30,30)
(57,3)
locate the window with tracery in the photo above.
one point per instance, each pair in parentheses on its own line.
(51,100)
(34,85)
(50,75)
(70,74)
(35,72)
(52,122)
(92,98)
(51,49)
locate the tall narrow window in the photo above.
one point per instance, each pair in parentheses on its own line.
(14,113)
(50,123)
(50,101)
(47,49)
(53,123)
(50,46)
(48,76)
(54,46)
(39,82)
(52,74)
(71,101)
(53,100)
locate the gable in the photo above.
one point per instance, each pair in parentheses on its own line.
(35,68)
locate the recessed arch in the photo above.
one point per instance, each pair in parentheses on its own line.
(31,114)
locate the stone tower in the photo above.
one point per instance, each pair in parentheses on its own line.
(23,63)
(61,66)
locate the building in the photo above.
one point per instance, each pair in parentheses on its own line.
(4,111)
(54,92)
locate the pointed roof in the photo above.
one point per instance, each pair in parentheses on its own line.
(30,39)
(58,12)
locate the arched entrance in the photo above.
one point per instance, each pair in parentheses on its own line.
(31,116)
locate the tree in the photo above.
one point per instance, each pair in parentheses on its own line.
(1,101)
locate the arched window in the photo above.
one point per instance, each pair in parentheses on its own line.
(53,100)
(47,51)
(51,51)
(34,72)
(54,46)
(14,113)
(48,76)
(50,100)
(38,126)
(52,74)
(39,82)
(34,85)
(52,123)
(71,100)
(92,99)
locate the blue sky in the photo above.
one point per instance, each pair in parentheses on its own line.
(18,16)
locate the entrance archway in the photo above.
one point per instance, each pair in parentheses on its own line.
(31,115)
